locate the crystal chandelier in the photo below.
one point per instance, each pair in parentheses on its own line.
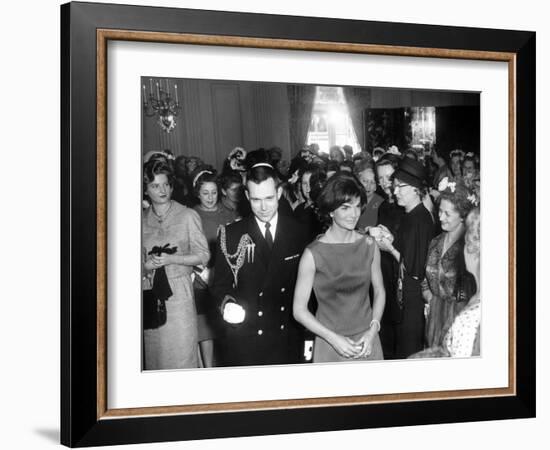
(162,101)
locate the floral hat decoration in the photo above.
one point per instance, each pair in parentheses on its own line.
(236,159)
(457,188)
(393,150)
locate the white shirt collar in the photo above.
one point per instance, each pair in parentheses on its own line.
(273,225)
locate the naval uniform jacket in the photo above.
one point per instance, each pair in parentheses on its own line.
(265,289)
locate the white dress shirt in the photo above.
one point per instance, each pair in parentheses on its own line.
(272,223)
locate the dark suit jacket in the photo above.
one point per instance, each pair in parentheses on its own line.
(265,289)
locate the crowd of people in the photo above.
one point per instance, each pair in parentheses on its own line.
(366,256)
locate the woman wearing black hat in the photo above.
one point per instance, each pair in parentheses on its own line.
(410,249)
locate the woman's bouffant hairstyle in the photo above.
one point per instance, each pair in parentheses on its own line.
(206,174)
(157,167)
(460,198)
(339,189)
(473,233)
(316,181)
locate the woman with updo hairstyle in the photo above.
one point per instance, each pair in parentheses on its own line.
(172,243)
(448,285)
(463,337)
(409,248)
(340,266)
(211,210)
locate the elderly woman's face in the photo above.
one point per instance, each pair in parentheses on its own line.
(449,216)
(405,194)
(159,190)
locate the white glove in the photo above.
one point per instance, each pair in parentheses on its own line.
(233,313)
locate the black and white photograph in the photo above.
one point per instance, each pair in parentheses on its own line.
(143,290)
(289,223)
(281,224)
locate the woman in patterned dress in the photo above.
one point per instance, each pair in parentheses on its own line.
(448,285)
(463,338)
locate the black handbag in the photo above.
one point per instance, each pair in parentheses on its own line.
(154,310)
(154,300)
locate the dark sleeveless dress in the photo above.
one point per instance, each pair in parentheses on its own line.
(341,285)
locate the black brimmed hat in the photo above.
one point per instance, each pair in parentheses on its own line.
(411,172)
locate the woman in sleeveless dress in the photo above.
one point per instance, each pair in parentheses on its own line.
(339,266)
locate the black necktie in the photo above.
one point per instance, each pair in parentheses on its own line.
(268,236)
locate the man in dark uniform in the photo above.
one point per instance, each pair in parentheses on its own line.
(256,268)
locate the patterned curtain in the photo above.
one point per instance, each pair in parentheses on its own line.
(358,100)
(300,99)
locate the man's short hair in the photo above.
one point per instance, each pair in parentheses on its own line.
(262,172)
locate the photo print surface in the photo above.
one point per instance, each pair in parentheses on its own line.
(301,223)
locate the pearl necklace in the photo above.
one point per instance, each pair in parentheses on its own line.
(161,217)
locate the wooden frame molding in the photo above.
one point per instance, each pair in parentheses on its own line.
(105,35)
